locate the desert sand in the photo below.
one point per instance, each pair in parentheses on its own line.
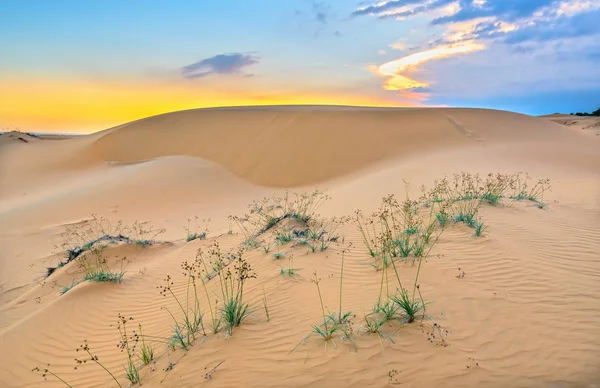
(588,125)
(517,306)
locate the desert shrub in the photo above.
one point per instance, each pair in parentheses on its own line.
(270,211)
(97,269)
(399,230)
(196,230)
(99,231)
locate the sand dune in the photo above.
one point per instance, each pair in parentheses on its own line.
(587,125)
(526,313)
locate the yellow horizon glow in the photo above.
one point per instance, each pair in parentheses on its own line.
(75,106)
(395,69)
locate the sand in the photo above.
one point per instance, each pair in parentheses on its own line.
(587,125)
(526,313)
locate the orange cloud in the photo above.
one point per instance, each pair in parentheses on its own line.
(396,70)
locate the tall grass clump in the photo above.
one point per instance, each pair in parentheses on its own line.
(198,230)
(232,272)
(147,351)
(127,344)
(393,234)
(333,322)
(185,332)
(399,230)
(328,329)
(479,227)
(97,269)
(267,213)
(235,310)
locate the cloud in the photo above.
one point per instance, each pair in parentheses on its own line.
(397,71)
(398,46)
(384,7)
(507,21)
(400,9)
(538,34)
(584,24)
(219,64)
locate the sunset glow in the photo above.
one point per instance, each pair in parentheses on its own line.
(72,66)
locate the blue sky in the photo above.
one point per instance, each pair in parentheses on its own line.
(86,65)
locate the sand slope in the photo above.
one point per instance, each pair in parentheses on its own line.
(528,309)
(586,125)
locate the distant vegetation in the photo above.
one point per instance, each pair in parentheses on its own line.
(594,113)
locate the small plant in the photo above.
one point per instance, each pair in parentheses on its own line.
(491,198)
(201,271)
(46,371)
(284,238)
(98,270)
(267,213)
(265,305)
(332,322)
(290,271)
(374,325)
(442,218)
(143,234)
(389,310)
(342,318)
(403,247)
(184,334)
(66,289)
(278,255)
(479,227)
(267,247)
(324,245)
(409,306)
(329,329)
(84,348)
(234,310)
(147,352)
(467,218)
(323,232)
(412,230)
(128,345)
(198,230)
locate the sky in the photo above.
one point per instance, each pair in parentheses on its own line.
(84,66)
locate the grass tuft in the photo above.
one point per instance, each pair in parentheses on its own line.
(479,227)
(410,307)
